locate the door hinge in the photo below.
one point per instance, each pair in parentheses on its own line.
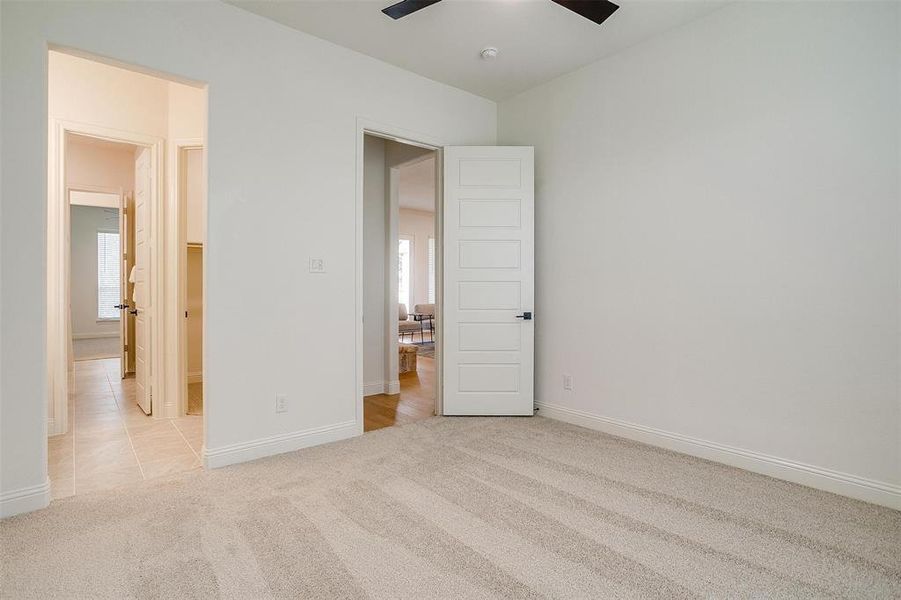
(125,348)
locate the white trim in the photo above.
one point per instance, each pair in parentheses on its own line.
(90,336)
(381,387)
(845,484)
(195,377)
(25,499)
(375,388)
(276,444)
(92,199)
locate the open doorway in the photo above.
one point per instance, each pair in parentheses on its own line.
(100,178)
(112,240)
(191,197)
(400,317)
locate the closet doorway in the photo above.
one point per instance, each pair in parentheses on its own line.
(191,196)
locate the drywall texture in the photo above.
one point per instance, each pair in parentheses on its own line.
(85,222)
(717,233)
(270,88)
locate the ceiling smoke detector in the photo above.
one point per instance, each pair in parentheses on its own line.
(488,53)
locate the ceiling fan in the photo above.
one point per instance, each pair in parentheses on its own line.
(595,10)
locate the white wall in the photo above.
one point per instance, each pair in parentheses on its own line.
(108,166)
(717,245)
(283,111)
(85,222)
(419,225)
(375,222)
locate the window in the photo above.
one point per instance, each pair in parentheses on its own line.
(404,272)
(431,270)
(107,275)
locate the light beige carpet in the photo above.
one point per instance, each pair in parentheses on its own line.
(458,508)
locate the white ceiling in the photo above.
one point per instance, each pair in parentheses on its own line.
(416,185)
(538,39)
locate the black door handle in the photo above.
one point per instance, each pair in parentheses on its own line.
(526,316)
(134,311)
(121,306)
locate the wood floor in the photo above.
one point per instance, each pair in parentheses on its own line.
(415,402)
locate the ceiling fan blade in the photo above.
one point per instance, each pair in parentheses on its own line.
(595,10)
(405,7)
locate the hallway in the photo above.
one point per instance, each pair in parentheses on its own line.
(110,441)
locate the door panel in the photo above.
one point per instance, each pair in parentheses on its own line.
(141,285)
(488,352)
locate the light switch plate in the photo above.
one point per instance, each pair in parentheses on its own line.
(317,265)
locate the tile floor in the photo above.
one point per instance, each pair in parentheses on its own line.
(110,441)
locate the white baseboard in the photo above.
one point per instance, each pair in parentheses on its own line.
(381,387)
(277,444)
(845,484)
(25,499)
(92,336)
(196,377)
(52,428)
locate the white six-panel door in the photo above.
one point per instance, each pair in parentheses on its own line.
(488,344)
(141,291)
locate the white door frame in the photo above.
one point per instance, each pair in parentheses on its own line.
(415,138)
(177,386)
(58,259)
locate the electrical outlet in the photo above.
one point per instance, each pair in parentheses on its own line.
(317,265)
(568,383)
(281,403)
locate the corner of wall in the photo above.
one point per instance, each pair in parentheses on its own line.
(845,484)
(25,500)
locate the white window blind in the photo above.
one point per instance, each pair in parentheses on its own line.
(107,275)
(431,270)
